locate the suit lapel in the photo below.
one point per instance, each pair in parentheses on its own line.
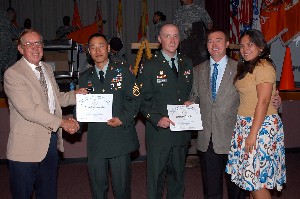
(227,79)
(32,77)
(206,79)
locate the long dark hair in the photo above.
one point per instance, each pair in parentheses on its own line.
(245,67)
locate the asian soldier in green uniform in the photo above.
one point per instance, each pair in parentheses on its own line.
(166,79)
(110,144)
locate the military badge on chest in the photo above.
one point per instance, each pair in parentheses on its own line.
(187,75)
(116,82)
(90,87)
(161,78)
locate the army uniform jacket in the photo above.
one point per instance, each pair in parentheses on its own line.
(103,140)
(160,87)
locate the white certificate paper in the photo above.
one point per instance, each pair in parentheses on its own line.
(185,118)
(94,107)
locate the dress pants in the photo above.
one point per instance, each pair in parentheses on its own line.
(166,163)
(120,169)
(25,177)
(213,170)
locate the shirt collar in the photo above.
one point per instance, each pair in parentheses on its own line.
(104,68)
(168,58)
(32,66)
(222,62)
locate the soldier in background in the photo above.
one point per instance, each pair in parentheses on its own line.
(63,31)
(116,53)
(8,52)
(193,20)
(158,19)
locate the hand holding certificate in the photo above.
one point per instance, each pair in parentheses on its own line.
(94,107)
(185,117)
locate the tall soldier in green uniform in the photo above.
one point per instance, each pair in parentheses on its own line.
(110,144)
(166,79)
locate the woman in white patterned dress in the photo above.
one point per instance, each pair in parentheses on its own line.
(256,159)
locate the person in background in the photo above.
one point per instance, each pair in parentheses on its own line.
(16,31)
(116,53)
(193,21)
(213,88)
(189,13)
(110,143)
(256,160)
(158,19)
(8,52)
(165,79)
(36,121)
(63,31)
(27,23)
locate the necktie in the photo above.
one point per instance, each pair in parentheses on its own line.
(101,73)
(214,81)
(174,67)
(42,80)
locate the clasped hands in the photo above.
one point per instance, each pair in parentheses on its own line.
(70,125)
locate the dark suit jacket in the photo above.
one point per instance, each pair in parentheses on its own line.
(31,122)
(160,87)
(219,116)
(103,140)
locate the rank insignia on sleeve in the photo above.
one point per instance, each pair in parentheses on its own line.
(136,90)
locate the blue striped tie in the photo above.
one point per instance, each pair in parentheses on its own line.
(214,81)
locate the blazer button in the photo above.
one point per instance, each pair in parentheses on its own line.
(179,100)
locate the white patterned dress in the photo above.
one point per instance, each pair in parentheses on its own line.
(265,166)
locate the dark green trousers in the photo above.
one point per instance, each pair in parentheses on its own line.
(120,169)
(166,163)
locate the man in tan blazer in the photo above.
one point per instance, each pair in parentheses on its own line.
(35,121)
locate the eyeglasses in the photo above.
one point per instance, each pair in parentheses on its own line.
(38,44)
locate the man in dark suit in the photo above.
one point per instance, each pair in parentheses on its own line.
(166,79)
(109,144)
(35,121)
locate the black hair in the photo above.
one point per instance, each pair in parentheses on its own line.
(245,67)
(66,20)
(88,56)
(161,15)
(116,44)
(27,23)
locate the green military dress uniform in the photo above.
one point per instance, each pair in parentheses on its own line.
(160,87)
(108,145)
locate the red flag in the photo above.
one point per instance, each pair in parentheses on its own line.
(76,17)
(272,20)
(82,35)
(292,15)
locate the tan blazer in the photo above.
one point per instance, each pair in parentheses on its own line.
(219,116)
(31,122)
